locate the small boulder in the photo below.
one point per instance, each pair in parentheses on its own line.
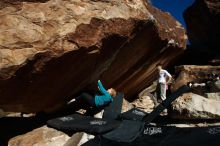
(42,136)
(144,103)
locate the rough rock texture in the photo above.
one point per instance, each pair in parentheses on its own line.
(202,21)
(144,103)
(214,96)
(42,136)
(126,106)
(146,100)
(51,50)
(150,89)
(193,106)
(75,139)
(196,74)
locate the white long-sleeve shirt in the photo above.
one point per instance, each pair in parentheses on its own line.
(163,74)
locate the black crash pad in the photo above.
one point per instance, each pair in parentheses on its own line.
(91,125)
(81,123)
(113,110)
(128,131)
(168,136)
(133,114)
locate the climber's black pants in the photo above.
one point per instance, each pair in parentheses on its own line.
(87,99)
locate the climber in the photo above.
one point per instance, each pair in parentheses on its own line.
(98,101)
(164,78)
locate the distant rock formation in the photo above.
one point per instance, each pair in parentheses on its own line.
(50,50)
(202,21)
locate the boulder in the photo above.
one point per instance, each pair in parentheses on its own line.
(51,50)
(144,103)
(214,96)
(42,136)
(196,74)
(202,22)
(193,106)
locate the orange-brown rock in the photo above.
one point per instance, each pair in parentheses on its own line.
(50,50)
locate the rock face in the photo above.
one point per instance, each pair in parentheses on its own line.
(51,50)
(146,100)
(193,106)
(144,103)
(202,21)
(197,74)
(43,136)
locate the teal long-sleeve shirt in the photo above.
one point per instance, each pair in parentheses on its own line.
(105,98)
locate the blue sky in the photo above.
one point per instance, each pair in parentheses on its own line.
(175,7)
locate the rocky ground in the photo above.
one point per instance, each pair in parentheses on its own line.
(51,50)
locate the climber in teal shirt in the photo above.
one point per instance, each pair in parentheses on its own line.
(99,100)
(105,97)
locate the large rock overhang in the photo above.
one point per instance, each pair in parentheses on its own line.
(53,50)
